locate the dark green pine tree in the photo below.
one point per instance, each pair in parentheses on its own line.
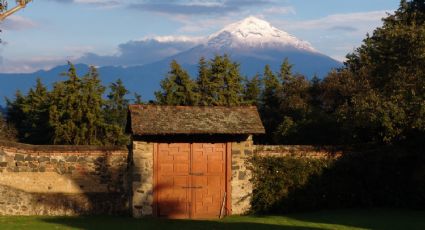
(16,118)
(64,112)
(36,112)
(252,90)
(269,103)
(92,120)
(76,109)
(225,81)
(233,83)
(285,72)
(29,115)
(115,113)
(294,97)
(177,88)
(15,114)
(73,113)
(294,93)
(217,71)
(204,84)
(117,105)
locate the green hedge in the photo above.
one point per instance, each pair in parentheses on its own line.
(379,178)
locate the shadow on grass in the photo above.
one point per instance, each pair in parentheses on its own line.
(379,219)
(103,223)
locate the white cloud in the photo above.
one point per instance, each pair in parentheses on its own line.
(101,3)
(280,10)
(198,7)
(337,34)
(143,51)
(98,3)
(137,52)
(30,65)
(358,21)
(16,22)
(77,51)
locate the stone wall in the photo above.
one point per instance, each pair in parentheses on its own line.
(241,186)
(62,180)
(142,178)
(241,175)
(77,180)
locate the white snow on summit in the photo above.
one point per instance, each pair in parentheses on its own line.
(171,39)
(253,32)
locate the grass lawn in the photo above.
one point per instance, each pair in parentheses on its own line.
(341,219)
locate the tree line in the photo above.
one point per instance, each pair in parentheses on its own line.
(74,112)
(378,96)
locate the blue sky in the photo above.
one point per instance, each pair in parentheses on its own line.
(50,32)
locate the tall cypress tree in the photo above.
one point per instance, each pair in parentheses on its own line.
(116,105)
(29,115)
(92,120)
(294,107)
(217,69)
(15,114)
(252,90)
(233,83)
(203,84)
(226,83)
(270,102)
(75,113)
(65,112)
(177,88)
(36,112)
(115,113)
(285,72)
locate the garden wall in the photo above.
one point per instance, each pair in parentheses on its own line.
(62,180)
(298,151)
(302,178)
(87,180)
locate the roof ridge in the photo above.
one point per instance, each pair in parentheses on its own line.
(195,106)
(169,119)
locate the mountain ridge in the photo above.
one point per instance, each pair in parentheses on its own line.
(252,42)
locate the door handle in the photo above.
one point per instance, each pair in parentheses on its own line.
(196,174)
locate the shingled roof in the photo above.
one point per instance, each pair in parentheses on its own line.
(162,120)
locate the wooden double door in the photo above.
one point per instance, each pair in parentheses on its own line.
(191,180)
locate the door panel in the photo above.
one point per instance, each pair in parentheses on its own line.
(208,170)
(173,180)
(191,179)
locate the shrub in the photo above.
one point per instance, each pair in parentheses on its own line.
(6,131)
(391,177)
(276,178)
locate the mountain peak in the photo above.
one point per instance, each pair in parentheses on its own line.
(253,32)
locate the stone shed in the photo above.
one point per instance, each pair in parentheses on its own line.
(189,162)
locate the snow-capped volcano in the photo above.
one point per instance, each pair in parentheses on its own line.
(142,64)
(254,43)
(253,32)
